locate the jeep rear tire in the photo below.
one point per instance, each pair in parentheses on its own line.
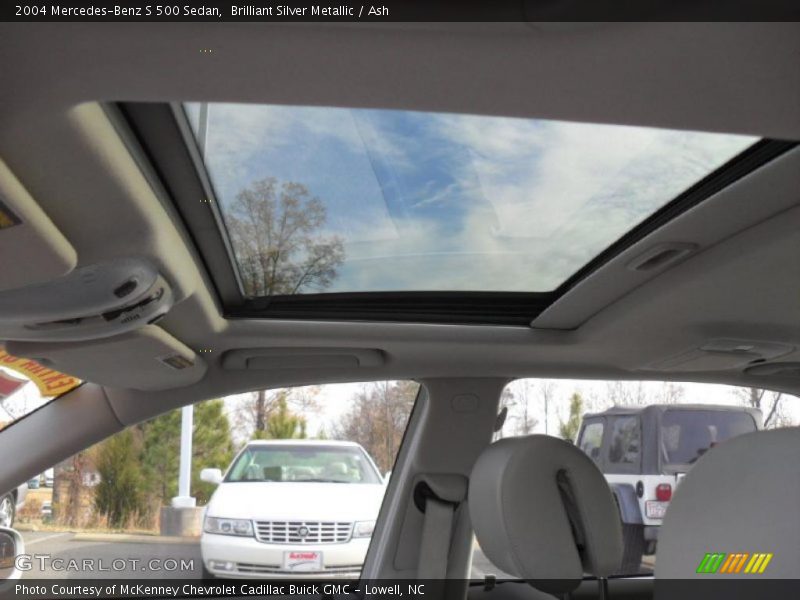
(633,548)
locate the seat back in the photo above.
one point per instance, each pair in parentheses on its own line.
(542,511)
(736,514)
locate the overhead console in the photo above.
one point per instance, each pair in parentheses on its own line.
(719,354)
(96,301)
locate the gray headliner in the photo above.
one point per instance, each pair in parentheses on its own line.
(740,78)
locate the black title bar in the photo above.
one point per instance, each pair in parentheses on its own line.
(398,10)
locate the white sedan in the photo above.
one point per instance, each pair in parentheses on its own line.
(292,508)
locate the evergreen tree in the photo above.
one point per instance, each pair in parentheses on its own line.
(211,447)
(569,429)
(283,424)
(119,493)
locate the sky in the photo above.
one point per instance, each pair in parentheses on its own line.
(457,202)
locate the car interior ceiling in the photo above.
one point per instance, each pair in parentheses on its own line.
(74,156)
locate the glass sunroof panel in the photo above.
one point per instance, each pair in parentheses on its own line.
(354,200)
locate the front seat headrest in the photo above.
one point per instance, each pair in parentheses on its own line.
(542,511)
(738,503)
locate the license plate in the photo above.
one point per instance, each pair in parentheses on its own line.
(653,509)
(301,561)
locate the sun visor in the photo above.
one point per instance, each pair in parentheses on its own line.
(32,250)
(95,301)
(145,359)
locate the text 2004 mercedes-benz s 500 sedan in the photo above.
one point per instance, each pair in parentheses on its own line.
(292,508)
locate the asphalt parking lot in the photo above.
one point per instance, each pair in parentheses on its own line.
(78,556)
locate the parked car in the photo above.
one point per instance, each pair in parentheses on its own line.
(644,452)
(47,510)
(292,508)
(49,476)
(10,504)
(33,483)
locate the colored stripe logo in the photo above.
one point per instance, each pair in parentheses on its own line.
(737,562)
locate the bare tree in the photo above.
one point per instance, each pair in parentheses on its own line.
(669,392)
(637,393)
(626,393)
(72,497)
(525,399)
(377,419)
(276,230)
(769,403)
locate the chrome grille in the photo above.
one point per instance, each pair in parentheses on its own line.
(303,532)
(274,569)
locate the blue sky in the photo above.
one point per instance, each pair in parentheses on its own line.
(429,201)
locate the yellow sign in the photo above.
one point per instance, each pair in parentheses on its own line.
(49,381)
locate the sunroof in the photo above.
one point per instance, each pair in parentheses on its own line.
(323,200)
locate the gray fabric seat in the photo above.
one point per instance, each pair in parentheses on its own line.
(543,512)
(742,497)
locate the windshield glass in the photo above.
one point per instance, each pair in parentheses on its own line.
(309,463)
(320,199)
(688,434)
(26,385)
(147,503)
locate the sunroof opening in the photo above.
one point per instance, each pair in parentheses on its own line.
(324,200)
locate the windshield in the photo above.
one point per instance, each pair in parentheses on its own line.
(688,434)
(290,463)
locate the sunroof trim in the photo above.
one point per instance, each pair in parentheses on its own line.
(182,121)
(744,163)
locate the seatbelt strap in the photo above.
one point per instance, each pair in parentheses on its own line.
(437,529)
(437,496)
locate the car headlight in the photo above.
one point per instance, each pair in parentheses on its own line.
(363,529)
(222,526)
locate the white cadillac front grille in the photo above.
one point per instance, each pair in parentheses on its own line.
(275,569)
(303,532)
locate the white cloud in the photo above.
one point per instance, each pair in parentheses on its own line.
(522,204)
(540,175)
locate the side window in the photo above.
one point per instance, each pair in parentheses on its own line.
(624,445)
(592,439)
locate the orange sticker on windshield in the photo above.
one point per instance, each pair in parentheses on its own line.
(49,381)
(7,218)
